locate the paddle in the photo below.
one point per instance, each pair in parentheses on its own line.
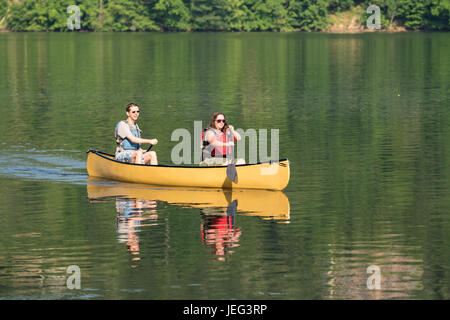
(231,169)
(232,208)
(149,148)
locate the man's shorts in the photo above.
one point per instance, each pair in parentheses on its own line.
(127,155)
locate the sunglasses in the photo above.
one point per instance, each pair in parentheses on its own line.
(136,111)
(221,120)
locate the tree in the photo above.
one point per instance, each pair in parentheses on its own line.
(171,15)
(38,15)
(338,5)
(125,15)
(437,16)
(208,15)
(412,13)
(235,14)
(310,15)
(267,15)
(3,8)
(92,14)
(213,15)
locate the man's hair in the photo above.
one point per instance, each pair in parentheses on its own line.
(131,105)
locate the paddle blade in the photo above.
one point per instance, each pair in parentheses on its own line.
(232,173)
(232,208)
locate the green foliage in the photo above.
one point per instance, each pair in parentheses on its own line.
(207,15)
(216,15)
(438,15)
(237,12)
(268,15)
(414,15)
(339,5)
(91,13)
(3,8)
(125,15)
(38,15)
(310,15)
(172,15)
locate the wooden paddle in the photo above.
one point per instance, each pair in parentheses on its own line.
(231,169)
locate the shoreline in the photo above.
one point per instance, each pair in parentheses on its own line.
(336,18)
(363,31)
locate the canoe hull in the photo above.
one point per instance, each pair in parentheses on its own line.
(270,176)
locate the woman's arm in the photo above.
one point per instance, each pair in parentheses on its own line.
(211,138)
(236,134)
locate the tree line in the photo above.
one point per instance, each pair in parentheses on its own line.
(215,15)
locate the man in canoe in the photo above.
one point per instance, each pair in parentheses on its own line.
(128,139)
(217,141)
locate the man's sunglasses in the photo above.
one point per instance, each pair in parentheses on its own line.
(221,120)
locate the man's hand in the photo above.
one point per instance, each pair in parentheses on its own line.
(154,141)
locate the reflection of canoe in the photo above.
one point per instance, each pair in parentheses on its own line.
(273,205)
(270,176)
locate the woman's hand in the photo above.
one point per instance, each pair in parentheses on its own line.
(235,134)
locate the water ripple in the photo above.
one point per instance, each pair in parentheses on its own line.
(52,165)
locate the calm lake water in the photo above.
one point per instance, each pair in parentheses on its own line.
(363,119)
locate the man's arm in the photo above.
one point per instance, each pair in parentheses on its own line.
(125,133)
(140,140)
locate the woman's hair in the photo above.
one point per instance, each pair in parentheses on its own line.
(212,124)
(131,105)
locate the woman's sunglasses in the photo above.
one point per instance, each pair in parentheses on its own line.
(136,111)
(221,120)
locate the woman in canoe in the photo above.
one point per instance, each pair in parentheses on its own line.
(217,142)
(128,138)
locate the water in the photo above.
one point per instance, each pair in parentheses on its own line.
(364,120)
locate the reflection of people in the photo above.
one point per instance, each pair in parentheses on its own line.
(216,141)
(218,231)
(128,139)
(130,214)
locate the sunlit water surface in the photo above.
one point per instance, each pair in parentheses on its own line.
(363,119)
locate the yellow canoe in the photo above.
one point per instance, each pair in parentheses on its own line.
(272,175)
(266,204)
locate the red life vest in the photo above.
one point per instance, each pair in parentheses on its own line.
(220,150)
(221,226)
